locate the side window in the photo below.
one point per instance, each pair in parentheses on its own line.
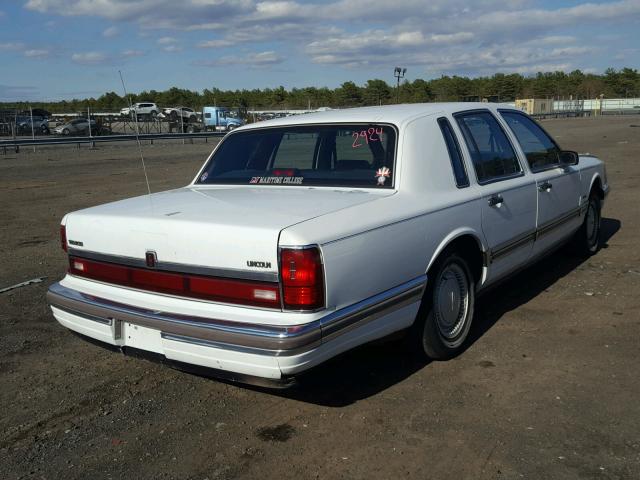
(491,152)
(457,164)
(541,151)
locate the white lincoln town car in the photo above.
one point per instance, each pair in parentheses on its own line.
(303,237)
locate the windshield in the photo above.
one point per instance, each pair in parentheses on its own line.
(318,155)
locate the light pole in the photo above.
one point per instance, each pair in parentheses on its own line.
(398,72)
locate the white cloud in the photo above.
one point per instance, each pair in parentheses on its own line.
(133,53)
(443,36)
(262,59)
(172,49)
(11,46)
(554,40)
(166,40)
(206,26)
(535,19)
(36,53)
(111,32)
(220,43)
(90,58)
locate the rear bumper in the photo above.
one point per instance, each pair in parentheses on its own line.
(269,351)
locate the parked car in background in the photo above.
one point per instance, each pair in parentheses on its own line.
(40,125)
(141,109)
(175,113)
(303,237)
(78,126)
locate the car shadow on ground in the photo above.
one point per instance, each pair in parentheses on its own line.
(372,368)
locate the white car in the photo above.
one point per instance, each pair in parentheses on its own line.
(175,113)
(306,236)
(143,108)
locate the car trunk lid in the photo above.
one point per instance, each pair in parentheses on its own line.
(227,228)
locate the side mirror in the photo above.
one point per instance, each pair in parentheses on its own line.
(568,157)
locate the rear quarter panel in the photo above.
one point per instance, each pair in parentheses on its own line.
(370,248)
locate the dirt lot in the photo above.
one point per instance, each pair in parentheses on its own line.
(548,387)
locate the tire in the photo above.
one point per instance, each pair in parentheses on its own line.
(154,115)
(192,119)
(44,130)
(66,131)
(191,129)
(587,239)
(446,312)
(173,116)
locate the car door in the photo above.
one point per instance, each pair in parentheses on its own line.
(508,212)
(558,186)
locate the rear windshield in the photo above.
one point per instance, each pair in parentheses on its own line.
(319,155)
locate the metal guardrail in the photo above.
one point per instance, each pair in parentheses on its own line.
(28,142)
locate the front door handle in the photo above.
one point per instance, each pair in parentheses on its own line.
(495,200)
(545,187)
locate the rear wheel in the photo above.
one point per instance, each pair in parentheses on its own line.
(445,315)
(587,238)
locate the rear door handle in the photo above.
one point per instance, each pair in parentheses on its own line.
(545,186)
(495,200)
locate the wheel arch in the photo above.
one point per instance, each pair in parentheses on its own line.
(468,243)
(596,186)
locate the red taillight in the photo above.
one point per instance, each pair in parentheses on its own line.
(259,294)
(63,237)
(302,278)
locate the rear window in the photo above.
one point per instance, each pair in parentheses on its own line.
(319,155)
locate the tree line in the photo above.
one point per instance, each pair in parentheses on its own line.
(500,87)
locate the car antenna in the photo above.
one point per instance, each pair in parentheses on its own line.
(135,116)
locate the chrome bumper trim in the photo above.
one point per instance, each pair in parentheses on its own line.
(273,340)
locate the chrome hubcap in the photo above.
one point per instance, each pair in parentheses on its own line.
(451,301)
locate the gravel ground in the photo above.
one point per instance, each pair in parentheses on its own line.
(548,387)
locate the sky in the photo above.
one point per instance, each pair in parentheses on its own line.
(62,49)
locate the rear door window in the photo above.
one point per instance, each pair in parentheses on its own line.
(491,152)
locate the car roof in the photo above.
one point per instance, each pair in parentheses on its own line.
(395,114)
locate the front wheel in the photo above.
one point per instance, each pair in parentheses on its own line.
(587,238)
(445,315)
(66,131)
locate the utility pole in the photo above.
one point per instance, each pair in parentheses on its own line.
(398,72)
